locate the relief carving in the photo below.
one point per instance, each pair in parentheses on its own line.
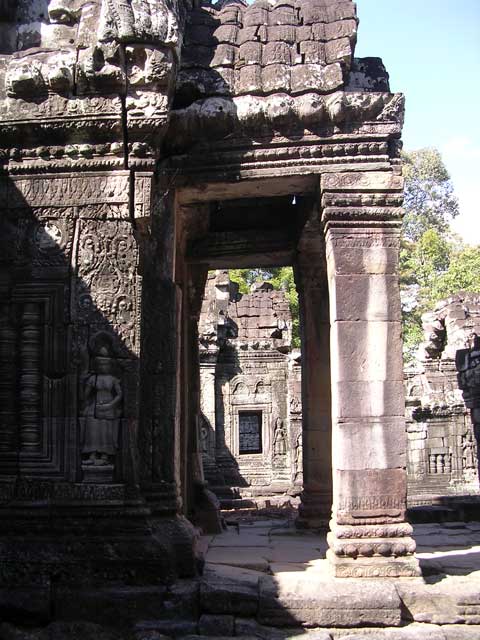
(147,21)
(107,287)
(102,409)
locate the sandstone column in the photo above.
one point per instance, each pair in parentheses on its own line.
(369,534)
(311,278)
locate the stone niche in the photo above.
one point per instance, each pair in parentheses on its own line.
(250,391)
(442,451)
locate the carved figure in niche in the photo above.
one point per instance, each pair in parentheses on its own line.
(298,461)
(469,454)
(280,438)
(102,394)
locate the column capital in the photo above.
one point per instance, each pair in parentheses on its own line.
(359,197)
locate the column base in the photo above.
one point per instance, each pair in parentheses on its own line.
(375,567)
(372,551)
(314,511)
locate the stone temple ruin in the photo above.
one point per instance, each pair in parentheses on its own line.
(144,143)
(442,431)
(250,391)
(245,339)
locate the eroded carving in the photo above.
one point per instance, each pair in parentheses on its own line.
(102,408)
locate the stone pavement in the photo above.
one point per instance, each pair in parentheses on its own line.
(265,580)
(287,579)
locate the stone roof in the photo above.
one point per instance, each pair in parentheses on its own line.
(287,46)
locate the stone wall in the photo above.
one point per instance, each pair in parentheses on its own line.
(442,458)
(250,390)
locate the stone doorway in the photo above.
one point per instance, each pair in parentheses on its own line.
(346,276)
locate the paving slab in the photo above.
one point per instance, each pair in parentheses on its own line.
(294,553)
(447,602)
(248,558)
(287,599)
(247,539)
(229,590)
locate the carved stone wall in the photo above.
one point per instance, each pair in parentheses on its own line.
(250,394)
(442,452)
(129,134)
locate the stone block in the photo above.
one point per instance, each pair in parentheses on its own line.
(251,53)
(365,399)
(370,444)
(364,297)
(313,52)
(442,603)
(370,493)
(367,351)
(355,251)
(225,55)
(169,628)
(461,632)
(340,29)
(362,181)
(287,598)
(339,51)
(276,53)
(276,77)
(376,567)
(324,78)
(249,79)
(281,33)
(114,606)
(26,602)
(216,625)
(304,33)
(229,590)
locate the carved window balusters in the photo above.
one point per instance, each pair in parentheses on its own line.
(8,421)
(440,463)
(30,383)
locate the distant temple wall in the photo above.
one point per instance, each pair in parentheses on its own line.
(250,389)
(252,407)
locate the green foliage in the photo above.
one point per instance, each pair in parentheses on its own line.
(430,202)
(434,263)
(429,251)
(281,279)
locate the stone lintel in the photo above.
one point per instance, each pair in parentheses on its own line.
(362,181)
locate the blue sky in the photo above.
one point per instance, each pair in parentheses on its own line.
(431,49)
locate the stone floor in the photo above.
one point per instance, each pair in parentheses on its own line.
(265,580)
(294,583)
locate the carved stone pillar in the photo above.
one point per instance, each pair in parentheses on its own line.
(369,536)
(315,508)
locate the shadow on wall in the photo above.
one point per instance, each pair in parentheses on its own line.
(72,440)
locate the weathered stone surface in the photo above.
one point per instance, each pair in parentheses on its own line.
(440,604)
(101,442)
(229,590)
(285,600)
(216,625)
